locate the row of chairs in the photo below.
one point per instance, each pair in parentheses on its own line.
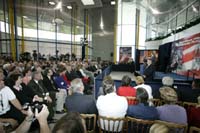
(129,125)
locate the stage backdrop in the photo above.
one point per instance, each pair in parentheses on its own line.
(185,56)
(124,54)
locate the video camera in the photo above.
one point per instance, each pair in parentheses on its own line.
(34,105)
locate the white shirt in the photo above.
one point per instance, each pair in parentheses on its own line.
(6,95)
(112,105)
(147,88)
(82,73)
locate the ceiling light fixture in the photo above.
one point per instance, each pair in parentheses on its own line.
(101,23)
(194,9)
(154,11)
(88,2)
(52,3)
(25,17)
(69,7)
(112,3)
(59,5)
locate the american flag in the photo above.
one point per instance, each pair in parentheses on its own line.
(189,49)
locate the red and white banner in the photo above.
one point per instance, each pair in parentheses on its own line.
(185,56)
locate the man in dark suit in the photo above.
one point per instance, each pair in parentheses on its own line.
(78,102)
(40,90)
(149,70)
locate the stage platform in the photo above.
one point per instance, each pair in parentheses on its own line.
(176,77)
(118,75)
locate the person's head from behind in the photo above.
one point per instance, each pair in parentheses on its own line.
(139,80)
(108,86)
(126,80)
(167,81)
(77,86)
(142,95)
(168,94)
(158,128)
(70,123)
(196,84)
(108,77)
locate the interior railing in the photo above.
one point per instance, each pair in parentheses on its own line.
(179,21)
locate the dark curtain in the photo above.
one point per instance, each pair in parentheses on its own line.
(137,59)
(164,54)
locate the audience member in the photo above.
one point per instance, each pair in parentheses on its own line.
(78,102)
(126,89)
(59,79)
(70,123)
(142,110)
(8,98)
(60,94)
(101,92)
(15,81)
(192,94)
(170,111)
(37,86)
(167,81)
(140,84)
(40,116)
(159,128)
(110,104)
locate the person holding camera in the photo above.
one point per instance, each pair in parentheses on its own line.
(41,116)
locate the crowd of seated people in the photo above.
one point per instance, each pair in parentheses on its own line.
(40,82)
(168,94)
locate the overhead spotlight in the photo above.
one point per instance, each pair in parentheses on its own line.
(52,3)
(101,23)
(194,9)
(59,5)
(112,3)
(154,11)
(25,17)
(69,7)
(88,2)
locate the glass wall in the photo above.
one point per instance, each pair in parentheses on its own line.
(34,23)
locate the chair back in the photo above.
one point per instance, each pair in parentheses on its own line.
(194,129)
(156,102)
(110,124)
(131,100)
(189,104)
(90,122)
(134,125)
(174,127)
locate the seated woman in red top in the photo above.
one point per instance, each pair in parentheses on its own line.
(126,89)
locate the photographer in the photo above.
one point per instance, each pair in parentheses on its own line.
(40,116)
